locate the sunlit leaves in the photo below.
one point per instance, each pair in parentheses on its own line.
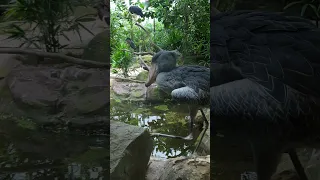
(121,58)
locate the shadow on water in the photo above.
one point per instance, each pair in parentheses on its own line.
(161,118)
(27,152)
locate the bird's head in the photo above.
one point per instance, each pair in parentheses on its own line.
(163,61)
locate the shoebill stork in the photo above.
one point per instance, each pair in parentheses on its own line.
(186,84)
(136,10)
(265,84)
(131,43)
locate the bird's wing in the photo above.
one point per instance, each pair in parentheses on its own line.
(187,84)
(242,105)
(272,50)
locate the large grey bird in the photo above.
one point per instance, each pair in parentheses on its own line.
(265,84)
(186,84)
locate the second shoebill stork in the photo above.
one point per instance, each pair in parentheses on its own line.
(265,84)
(131,43)
(136,10)
(186,84)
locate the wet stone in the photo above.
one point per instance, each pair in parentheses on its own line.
(130,151)
(179,168)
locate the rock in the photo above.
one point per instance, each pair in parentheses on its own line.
(286,175)
(154,94)
(129,90)
(32,89)
(7,63)
(132,91)
(70,93)
(142,76)
(98,48)
(248,175)
(180,168)
(130,151)
(147,59)
(88,100)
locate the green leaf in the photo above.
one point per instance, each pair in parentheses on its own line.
(65,36)
(86,28)
(314,8)
(303,10)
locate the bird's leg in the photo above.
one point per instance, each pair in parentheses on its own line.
(266,157)
(205,128)
(297,164)
(193,112)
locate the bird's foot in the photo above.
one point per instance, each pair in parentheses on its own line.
(189,137)
(194,157)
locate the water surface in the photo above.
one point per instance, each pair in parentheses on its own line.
(28,152)
(165,118)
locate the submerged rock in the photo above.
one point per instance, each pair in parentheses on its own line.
(180,168)
(130,150)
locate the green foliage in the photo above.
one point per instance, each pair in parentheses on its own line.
(182,25)
(306,4)
(121,28)
(46,21)
(121,58)
(188,20)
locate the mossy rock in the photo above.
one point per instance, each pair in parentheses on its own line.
(137,94)
(98,48)
(142,76)
(147,59)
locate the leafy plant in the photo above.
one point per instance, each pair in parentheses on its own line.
(313,5)
(121,59)
(44,22)
(188,20)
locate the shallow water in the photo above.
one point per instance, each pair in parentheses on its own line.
(28,152)
(161,118)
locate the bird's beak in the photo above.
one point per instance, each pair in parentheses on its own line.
(152,76)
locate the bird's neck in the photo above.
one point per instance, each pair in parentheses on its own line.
(164,69)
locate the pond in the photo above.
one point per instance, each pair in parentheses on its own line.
(164,118)
(29,152)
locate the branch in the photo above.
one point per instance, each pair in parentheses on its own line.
(142,28)
(159,48)
(143,64)
(68,59)
(6,6)
(127,79)
(139,53)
